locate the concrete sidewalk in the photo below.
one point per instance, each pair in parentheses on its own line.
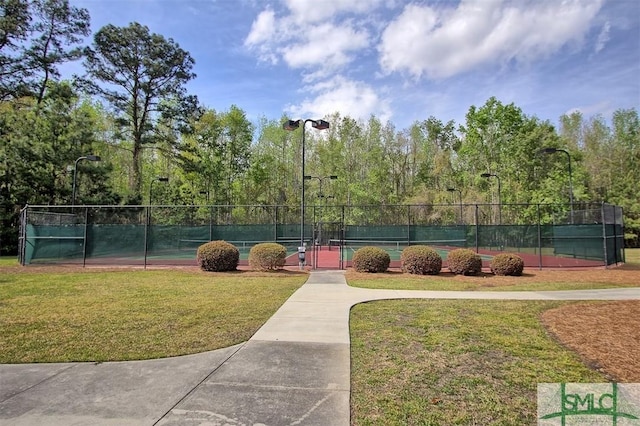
(294,371)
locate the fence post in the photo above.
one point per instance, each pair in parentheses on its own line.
(84,237)
(539,237)
(275,223)
(22,239)
(211,222)
(342,232)
(477,230)
(146,234)
(620,214)
(604,235)
(408,224)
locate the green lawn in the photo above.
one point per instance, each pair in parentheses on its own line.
(443,362)
(135,314)
(632,256)
(8,261)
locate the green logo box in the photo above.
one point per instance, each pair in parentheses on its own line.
(602,404)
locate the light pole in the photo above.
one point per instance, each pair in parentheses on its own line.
(159,179)
(75,174)
(553,151)
(460,194)
(292,125)
(489,175)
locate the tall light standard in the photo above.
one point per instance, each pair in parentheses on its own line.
(292,125)
(159,179)
(75,174)
(553,151)
(489,175)
(460,194)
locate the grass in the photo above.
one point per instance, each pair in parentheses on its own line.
(466,362)
(632,256)
(433,362)
(8,261)
(94,315)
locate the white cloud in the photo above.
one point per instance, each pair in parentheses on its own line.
(318,37)
(348,97)
(305,11)
(325,46)
(444,42)
(603,37)
(262,28)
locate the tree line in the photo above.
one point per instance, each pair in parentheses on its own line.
(131,108)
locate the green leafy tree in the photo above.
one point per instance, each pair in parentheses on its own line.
(142,76)
(58,30)
(216,155)
(40,146)
(35,38)
(15,27)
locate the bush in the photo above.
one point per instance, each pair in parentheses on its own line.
(507,264)
(267,257)
(218,256)
(371,259)
(421,260)
(464,262)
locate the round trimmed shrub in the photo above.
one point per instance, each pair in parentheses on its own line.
(371,259)
(421,260)
(464,262)
(507,264)
(267,257)
(218,256)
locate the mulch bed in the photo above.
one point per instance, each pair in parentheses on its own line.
(606,335)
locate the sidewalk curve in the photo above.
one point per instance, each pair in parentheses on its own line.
(294,371)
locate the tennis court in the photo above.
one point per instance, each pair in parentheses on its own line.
(171,235)
(347,249)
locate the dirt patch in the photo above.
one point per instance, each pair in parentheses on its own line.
(606,335)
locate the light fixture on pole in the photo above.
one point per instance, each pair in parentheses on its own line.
(553,151)
(159,179)
(460,194)
(75,174)
(293,125)
(490,175)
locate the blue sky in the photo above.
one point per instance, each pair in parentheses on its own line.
(397,59)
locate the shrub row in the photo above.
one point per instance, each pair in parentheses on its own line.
(220,256)
(424,260)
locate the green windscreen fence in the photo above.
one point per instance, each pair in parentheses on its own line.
(591,236)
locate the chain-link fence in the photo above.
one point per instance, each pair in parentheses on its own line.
(544,235)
